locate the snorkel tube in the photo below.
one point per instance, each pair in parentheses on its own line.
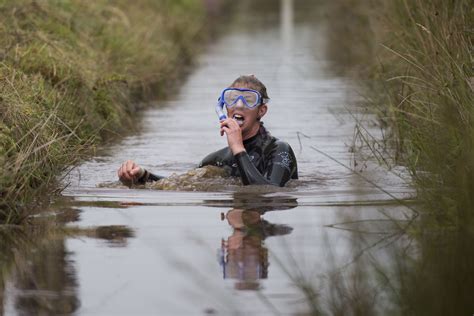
(220,110)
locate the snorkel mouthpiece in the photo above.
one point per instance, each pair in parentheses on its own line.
(220,110)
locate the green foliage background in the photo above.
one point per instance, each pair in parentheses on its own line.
(73,72)
(415,60)
(428,69)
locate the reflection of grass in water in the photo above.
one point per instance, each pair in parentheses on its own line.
(35,260)
(18,245)
(115,235)
(350,286)
(65,204)
(400,201)
(429,275)
(435,277)
(388,272)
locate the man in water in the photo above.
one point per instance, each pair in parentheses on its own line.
(252,153)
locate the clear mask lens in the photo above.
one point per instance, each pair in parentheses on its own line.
(249,98)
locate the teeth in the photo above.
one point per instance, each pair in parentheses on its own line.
(239,119)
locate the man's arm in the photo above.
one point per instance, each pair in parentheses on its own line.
(148,177)
(279,169)
(130,173)
(215,159)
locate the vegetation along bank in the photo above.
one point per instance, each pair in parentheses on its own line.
(417,59)
(73,73)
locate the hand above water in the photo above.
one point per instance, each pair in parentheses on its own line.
(129,172)
(234,135)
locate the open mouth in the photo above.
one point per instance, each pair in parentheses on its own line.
(239,119)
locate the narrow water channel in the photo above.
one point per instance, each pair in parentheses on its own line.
(232,250)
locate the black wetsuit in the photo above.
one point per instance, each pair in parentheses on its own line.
(266,160)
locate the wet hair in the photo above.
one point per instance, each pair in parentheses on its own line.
(251,82)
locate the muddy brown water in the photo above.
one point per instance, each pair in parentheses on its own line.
(228,249)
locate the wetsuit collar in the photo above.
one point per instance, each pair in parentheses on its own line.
(251,139)
(261,134)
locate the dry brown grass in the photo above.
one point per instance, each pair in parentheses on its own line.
(74,72)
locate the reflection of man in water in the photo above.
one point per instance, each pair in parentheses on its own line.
(244,256)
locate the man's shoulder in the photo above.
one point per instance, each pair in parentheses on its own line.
(214,157)
(283,150)
(221,152)
(281,144)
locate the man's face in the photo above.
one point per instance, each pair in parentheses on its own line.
(246,118)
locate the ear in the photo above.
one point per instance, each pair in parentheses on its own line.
(262,110)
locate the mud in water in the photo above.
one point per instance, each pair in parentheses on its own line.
(207,178)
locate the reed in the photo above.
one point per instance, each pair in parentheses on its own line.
(419,79)
(428,66)
(74,73)
(416,73)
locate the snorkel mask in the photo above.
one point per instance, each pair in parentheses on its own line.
(230,96)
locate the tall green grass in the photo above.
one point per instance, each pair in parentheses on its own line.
(428,67)
(73,73)
(420,79)
(414,61)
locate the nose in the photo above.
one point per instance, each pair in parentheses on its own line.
(240,103)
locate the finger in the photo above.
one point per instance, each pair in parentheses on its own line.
(130,174)
(122,174)
(224,123)
(227,121)
(126,175)
(135,170)
(235,124)
(119,171)
(225,129)
(130,164)
(231,123)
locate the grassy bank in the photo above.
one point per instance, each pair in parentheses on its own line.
(419,71)
(413,60)
(428,68)
(73,73)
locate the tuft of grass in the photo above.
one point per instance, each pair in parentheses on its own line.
(421,86)
(428,66)
(73,73)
